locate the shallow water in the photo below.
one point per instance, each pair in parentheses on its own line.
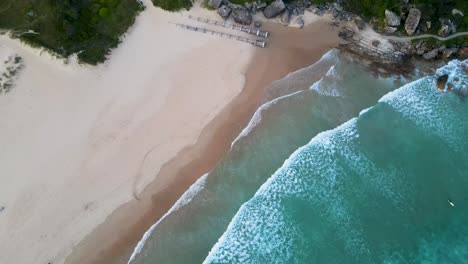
(374,190)
(187,233)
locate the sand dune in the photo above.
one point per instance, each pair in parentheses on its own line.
(73,137)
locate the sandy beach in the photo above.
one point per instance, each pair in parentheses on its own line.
(91,157)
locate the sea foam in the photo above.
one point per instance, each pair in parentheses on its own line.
(183,200)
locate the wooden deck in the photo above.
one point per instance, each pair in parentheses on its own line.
(252,31)
(255,42)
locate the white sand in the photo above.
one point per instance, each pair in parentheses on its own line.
(72,137)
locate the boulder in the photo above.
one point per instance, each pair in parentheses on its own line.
(412,21)
(224,11)
(297,22)
(441,81)
(421,47)
(286,16)
(431,54)
(389,30)
(215,3)
(261,5)
(274,9)
(257,24)
(462,53)
(242,16)
(393,20)
(360,23)
(449,52)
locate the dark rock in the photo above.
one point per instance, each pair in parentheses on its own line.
(215,3)
(462,53)
(412,21)
(375,43)
(441,81)
(447,53)
(257,24)
(224,11)
(393,20)
(346,34)
(274,9)
(297,22)
(286,16)
(431,54)
(421,47)
(242,16)
(261,5)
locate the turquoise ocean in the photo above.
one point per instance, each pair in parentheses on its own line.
(349,169)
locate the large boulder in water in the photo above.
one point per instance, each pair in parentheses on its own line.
(393,20)
(412,21)
(242,16)
(274,9)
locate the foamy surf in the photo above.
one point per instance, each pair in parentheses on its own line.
(183,200)
(276,132)
(347,195)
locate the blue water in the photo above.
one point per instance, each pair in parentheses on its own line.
(279,127)
(376,189)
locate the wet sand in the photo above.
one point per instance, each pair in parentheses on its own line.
(289,50)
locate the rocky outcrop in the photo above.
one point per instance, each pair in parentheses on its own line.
(447,53)
(215,3)
(224,11)
(431,54)
(412,21)
(393,20)
(389,30)
(286,16)
(297,22)
(242,16)
(274,9)
(261,5)
(446,28)
(442,81)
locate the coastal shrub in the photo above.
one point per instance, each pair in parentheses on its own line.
(173,5)
(90,28)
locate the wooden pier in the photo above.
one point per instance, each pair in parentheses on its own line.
(252,31)
(255,42)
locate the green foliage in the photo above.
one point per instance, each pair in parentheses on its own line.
(90,28)
(173,5)
(431,10)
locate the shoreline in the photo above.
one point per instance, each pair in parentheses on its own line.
(215,140)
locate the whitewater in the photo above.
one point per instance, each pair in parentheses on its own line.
(294,112)
(377,189)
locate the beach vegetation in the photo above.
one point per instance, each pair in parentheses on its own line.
(173,5)
(88,28)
